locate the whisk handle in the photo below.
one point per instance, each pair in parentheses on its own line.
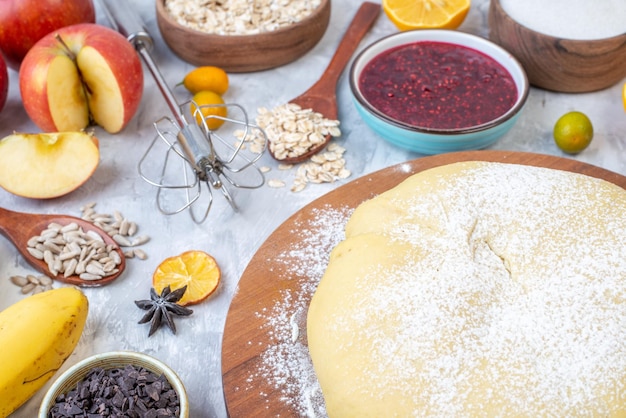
(128,22)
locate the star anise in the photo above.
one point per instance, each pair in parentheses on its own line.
(162,308)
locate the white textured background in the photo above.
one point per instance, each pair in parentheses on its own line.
(232,238)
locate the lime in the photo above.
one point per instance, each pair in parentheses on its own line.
(573,132)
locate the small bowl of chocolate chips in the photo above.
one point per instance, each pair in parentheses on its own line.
(117,383)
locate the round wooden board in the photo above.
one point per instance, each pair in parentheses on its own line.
(264,282)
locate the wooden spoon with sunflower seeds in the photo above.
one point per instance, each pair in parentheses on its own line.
(20,228)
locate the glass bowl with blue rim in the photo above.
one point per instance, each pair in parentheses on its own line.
(437,91)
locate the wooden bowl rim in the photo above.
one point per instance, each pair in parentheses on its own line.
(260,37)
(552,38)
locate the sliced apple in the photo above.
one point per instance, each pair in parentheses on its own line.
(106,102)
(47,165)
(79,75)
(66,95)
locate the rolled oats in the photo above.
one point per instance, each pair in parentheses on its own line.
(239,17)
(326,167)
(292,131)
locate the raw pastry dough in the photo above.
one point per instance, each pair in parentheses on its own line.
(477,289)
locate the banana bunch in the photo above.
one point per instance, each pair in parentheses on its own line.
(37,334)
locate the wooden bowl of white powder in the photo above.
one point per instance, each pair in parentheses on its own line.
(569,46)
(239,35)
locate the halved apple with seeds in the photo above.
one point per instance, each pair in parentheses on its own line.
(79,75)
(47,165)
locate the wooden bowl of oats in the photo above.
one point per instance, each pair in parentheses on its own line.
(242,36)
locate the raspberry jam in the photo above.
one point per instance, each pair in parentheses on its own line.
(437,85)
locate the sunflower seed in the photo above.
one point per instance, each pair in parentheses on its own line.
(35,253)
(140,254)
(28,287)
(140,240)
(70,267)
(90,276)
(19,280)
(122,240)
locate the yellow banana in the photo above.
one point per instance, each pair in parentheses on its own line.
(37,334)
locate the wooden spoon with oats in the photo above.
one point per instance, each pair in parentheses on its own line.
(64,238)
(322,96)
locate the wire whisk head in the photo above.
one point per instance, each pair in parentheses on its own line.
(197,160)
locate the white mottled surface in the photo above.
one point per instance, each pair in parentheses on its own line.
(194,353)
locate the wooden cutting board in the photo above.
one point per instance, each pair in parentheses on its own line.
(265,281)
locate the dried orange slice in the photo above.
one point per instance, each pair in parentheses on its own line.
(195,269)
(624,96)
(426,14)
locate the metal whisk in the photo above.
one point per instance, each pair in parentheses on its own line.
(206,159)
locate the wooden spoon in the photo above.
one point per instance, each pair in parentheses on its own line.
(19,227)
(322,96)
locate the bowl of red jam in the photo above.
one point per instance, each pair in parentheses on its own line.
(437,91)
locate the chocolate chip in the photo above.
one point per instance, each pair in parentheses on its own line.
(129,392)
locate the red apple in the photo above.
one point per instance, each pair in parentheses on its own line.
(4,82)
(81,74)
(24,22)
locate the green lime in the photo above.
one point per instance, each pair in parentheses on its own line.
(573,132)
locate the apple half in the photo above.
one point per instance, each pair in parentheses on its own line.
(47,165)
(81,75)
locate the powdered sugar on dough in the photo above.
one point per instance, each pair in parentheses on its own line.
(285,363)
(474,289)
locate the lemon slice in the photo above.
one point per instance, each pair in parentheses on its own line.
(426,14)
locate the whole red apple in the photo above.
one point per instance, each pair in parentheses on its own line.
(24,22)
(81,74)
(4,82)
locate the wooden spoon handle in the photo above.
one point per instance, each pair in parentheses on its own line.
(360,25)
(8,222)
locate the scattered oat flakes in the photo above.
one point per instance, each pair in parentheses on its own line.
(253,137)
(275,183)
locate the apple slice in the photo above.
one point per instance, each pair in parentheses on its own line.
(104,94)
(66,99)
(47,165)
